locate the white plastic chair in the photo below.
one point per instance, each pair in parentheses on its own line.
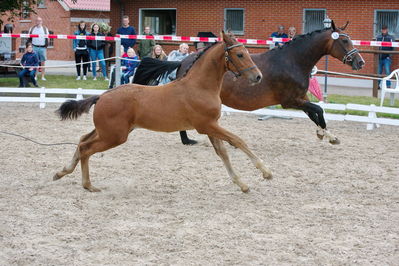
(393,90)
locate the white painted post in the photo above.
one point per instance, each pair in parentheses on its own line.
(372,114)
(79,95)
(117,62)
(42,97)
(392,99)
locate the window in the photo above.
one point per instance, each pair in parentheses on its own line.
(389,18)
(234,20)
(25,14)
(313,19)
(23,42)
(50,40)
(161,21)
(41,4)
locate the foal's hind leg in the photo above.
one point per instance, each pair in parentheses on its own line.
(216,131)
(75,159)
(222,152)
(92,146)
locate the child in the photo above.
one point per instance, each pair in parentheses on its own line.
(31,61)
(129,66)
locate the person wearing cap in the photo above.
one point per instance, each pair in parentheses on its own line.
(385,60)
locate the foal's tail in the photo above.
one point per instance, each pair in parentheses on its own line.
(73,109)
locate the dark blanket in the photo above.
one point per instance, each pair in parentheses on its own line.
(150,69)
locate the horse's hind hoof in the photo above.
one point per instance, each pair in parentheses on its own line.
(245,189)
(92,189)
(335,141)
(190,142)
(56,177)
(320,136)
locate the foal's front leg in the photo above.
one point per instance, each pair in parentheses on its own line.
(218,132)
(222,152)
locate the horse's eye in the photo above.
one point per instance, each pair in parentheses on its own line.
(240,55)
(345,41)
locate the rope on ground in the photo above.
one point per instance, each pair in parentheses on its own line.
(43,144)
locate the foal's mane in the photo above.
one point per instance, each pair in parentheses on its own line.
(198,56)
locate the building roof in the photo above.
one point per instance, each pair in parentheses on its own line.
(89,5)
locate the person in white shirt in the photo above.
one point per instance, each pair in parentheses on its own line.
(40,44)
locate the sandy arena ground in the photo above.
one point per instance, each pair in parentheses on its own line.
(163,203)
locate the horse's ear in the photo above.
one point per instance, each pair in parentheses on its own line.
(346,25)
(226,37)
(333,25)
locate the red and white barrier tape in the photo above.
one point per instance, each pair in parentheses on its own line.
(180,39)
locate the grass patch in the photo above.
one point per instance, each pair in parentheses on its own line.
(59,81)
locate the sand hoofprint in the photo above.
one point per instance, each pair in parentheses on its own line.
(169,204)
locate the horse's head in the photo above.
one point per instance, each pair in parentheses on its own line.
(342,48)
(238,59)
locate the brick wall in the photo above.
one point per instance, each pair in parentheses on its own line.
(262,18)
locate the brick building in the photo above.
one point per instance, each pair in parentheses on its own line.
(255,19)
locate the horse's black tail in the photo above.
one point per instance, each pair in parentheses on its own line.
(73,109)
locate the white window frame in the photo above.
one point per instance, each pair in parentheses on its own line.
(243,21)
(141,26)
(304,16)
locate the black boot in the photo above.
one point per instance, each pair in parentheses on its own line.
(185,140)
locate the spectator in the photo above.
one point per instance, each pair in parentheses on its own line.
(292,32)
(279,34)
(129,65)
(127,30)
(158,53)
(81,51)
(179,55)
(385,60)
(40,43)
(145,46)
(30,62)
(97,51)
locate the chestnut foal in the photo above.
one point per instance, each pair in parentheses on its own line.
(191,102)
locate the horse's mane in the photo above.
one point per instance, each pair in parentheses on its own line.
(198,56)
(297,39)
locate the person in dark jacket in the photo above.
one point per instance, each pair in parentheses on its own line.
(385,60)
(30,62)
(97,51)
(81,50)
(127,30)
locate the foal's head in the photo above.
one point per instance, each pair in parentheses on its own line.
(342,48)
(239,61)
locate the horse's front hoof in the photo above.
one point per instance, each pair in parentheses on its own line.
(335,141)
(92,188)
(245,189)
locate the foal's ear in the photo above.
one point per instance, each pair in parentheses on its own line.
(346,25)
(333,25)
(226,37)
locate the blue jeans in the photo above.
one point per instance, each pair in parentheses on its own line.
(25,72)
(94,55)
(385,64)
(125,77)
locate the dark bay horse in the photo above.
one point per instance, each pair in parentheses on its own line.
(191,102)
(286,72)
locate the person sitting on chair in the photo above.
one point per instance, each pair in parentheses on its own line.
(30,62)
(129,65)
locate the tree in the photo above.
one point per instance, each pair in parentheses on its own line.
(17,8)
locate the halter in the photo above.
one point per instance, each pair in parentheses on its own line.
(348,55)
(228,59)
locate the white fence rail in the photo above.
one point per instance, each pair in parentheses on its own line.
(372,120)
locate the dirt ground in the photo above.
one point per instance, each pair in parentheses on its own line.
(163,203)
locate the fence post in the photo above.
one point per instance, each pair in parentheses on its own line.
(372,114)
(117,62)
(42,97)
(79,95)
